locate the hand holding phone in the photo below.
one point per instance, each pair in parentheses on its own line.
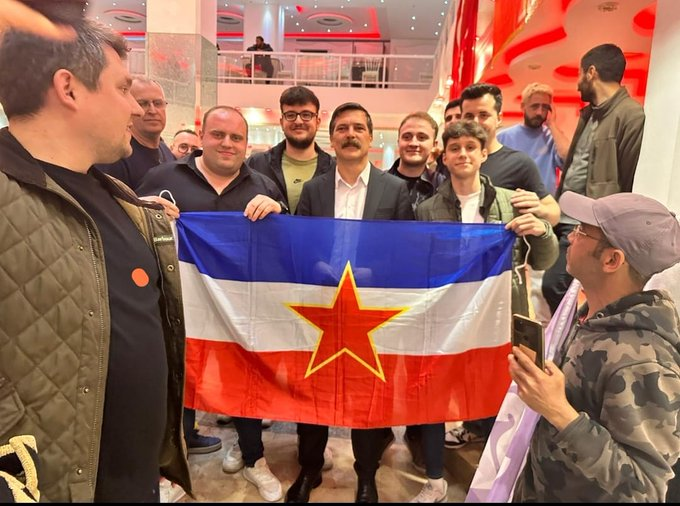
(527,335)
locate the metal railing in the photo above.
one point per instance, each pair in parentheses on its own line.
(317,69)
(321,69)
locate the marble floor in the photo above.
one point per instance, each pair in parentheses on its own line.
(397,479)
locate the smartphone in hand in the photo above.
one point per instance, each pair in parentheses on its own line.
(527,335)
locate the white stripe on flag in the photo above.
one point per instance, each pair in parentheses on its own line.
(445,320)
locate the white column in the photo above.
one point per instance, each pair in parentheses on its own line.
(658,171)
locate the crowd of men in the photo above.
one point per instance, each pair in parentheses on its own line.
(90,274)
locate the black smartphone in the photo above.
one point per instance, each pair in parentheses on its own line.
(68,12)
(527,335)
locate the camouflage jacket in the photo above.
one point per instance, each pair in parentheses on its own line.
(622,373)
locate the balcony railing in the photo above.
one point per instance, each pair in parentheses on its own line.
(317,69)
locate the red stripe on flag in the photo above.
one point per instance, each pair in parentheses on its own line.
(223,377)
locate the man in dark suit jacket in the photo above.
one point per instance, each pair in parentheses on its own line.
(355,190)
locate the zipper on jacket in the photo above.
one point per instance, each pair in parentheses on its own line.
(98,390)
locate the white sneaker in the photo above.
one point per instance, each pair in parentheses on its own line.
(233,460)
(170,492)
(432,491)
(267,484)
(327,459)
(267,422)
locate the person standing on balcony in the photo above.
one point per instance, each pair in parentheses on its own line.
(298,158)
(264,61)
(148,148)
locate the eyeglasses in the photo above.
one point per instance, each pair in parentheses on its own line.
(185,148)
(578,230)
(157,103)
(304,115)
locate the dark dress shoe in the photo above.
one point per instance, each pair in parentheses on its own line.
(300,489)
(367,491)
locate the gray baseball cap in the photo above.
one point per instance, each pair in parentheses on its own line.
(641,227)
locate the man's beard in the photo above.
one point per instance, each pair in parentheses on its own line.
(586,91)
(300,143)
(535,122)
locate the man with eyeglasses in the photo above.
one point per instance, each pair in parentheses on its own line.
(185,142)
(297,159)
(148,149)
(609,401)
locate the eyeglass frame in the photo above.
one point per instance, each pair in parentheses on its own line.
(190,148)
(578,230)
(313,115)
(157,103)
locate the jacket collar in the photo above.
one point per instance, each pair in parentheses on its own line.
(600,112)
(487,198)
(20,165)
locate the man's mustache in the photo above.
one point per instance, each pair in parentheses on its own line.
(351,142)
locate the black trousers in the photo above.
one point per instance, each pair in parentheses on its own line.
(556,280)
(431,438)
(249,439)
(367,444)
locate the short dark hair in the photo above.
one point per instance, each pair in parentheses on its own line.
(609,61)
(478,90)
(223,108)
(425,117)
(185,131)
(350,106)
(455,103)
(298,95)
(29,62)
(464,128)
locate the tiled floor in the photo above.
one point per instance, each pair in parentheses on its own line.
(397,479)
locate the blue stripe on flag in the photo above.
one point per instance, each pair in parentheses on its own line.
(315,251)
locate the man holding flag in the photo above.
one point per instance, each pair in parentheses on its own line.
(471,198)
(217,179)
(355,190)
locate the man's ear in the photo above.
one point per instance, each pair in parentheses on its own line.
(63,85)
(613,259)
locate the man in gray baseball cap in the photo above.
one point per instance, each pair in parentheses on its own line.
(609,402)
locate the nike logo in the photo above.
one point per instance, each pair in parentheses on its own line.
(297,181)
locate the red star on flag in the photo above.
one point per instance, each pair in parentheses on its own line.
(346,327)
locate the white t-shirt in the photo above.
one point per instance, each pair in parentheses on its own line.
(469,208)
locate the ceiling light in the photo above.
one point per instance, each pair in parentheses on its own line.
(442,13)
(297,24)
(413,28)
(328,30)
(413,18)
(365,25)
(608,6)
(302,29)
(350,30)
(436,33)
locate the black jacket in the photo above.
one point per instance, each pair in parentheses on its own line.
(269,164)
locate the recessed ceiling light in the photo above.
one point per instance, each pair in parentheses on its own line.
(439,24)
(413,28)
(608,6)
(442,13)
(413,18)
(436,33)
(328,30)
(350,30)
(342,6)
(297,24)
(365,25)
(302,29)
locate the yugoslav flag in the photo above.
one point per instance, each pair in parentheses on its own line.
(345,322)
